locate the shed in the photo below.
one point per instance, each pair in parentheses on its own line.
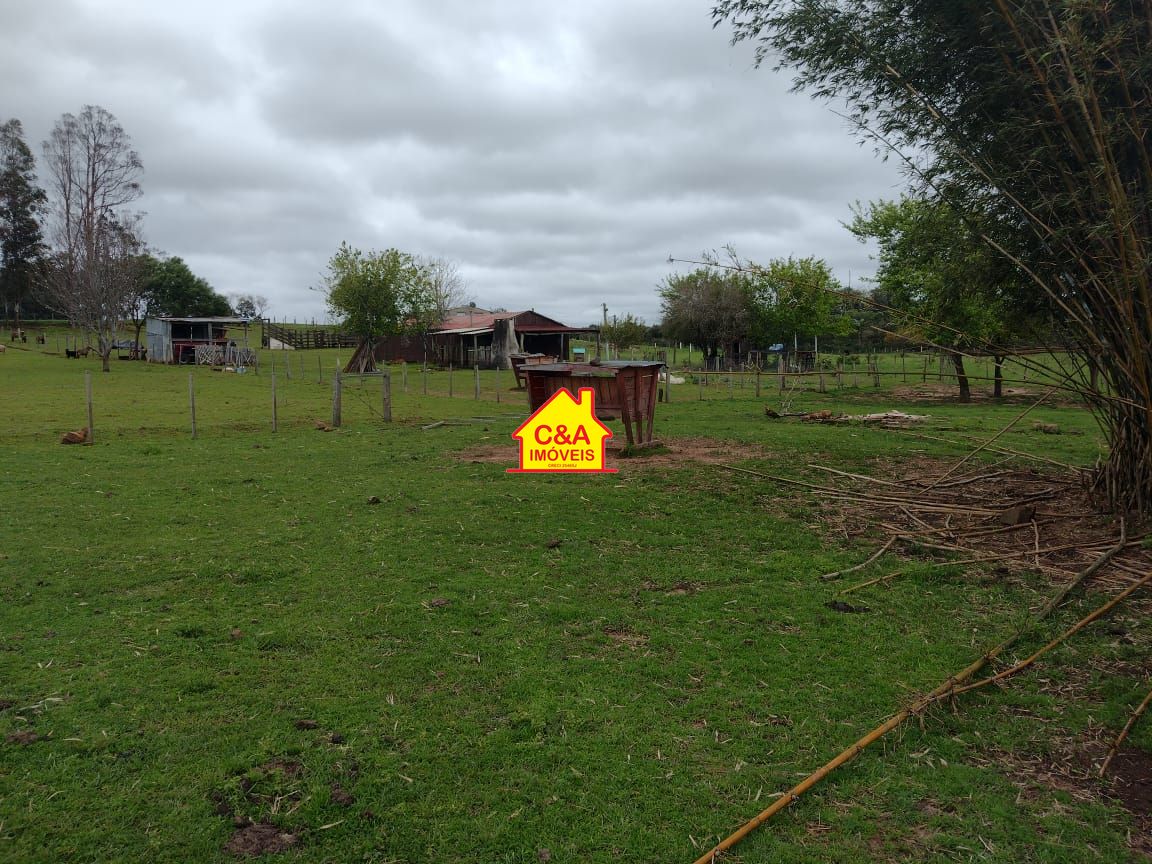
(175,340)
(624,388)
(475,337)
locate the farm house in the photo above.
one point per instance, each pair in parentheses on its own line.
(472,336)
(207,341)
(475,337)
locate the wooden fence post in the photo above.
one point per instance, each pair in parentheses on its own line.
(757,382)
(404,375)
(192,403)
(700,385)
(386,385)
(88,399)
(451,379)
(337,385)
(424,373)
(319,370)
(477,370)
(273,401)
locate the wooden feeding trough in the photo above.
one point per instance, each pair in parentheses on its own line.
(624,388)
(519,361)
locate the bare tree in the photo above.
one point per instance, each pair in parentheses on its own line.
(93,176)
(446,283)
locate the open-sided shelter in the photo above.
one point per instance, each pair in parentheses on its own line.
(175,340)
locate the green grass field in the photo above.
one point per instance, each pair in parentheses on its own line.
(490,667)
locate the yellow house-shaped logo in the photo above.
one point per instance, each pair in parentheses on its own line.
(563,435)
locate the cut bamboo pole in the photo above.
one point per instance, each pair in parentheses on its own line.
(993,439)
(1140,709)
(1059,640)
(941,692)
(828,577)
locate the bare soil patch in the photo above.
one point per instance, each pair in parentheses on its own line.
(709,451)
(259,838)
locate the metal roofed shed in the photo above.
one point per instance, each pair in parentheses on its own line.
(177,340)
(623,388)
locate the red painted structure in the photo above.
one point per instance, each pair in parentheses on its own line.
(624,388)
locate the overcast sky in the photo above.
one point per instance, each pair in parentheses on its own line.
(558,152)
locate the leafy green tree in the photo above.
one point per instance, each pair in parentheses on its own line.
(947,286)
(1033,117)
(22,246)
(706,307)
(380,294)
(795,297)
(624,333)
(172,290)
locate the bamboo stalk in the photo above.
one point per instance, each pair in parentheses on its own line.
(946,689)
(1059,640)
(1140,709)
(1001,557)
(993,439)
(828,577)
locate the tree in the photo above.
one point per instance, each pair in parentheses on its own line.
(94,175)
(446,284)
(174,291)
(790,298)
(22,246)
(1031,117)
(948,287)
(249,305)
(625,332)
(378,294)
(706,307)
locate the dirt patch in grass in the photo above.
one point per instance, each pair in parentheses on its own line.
(341,796)
(288,767)
(930,391)
(624,636)
(259,838)
(24,737)
(1130,774)
(1071,765)
(709,451)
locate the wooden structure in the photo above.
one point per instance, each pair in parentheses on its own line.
(175,340)
(475,337)
(519,361)
(302,338)
(624,388)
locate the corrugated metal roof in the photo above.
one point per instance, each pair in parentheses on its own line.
(208,320)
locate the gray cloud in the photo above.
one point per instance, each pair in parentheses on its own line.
(559,154)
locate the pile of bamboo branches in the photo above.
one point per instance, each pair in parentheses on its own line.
(992,516)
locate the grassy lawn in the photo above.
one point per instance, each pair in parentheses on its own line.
(487,667)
